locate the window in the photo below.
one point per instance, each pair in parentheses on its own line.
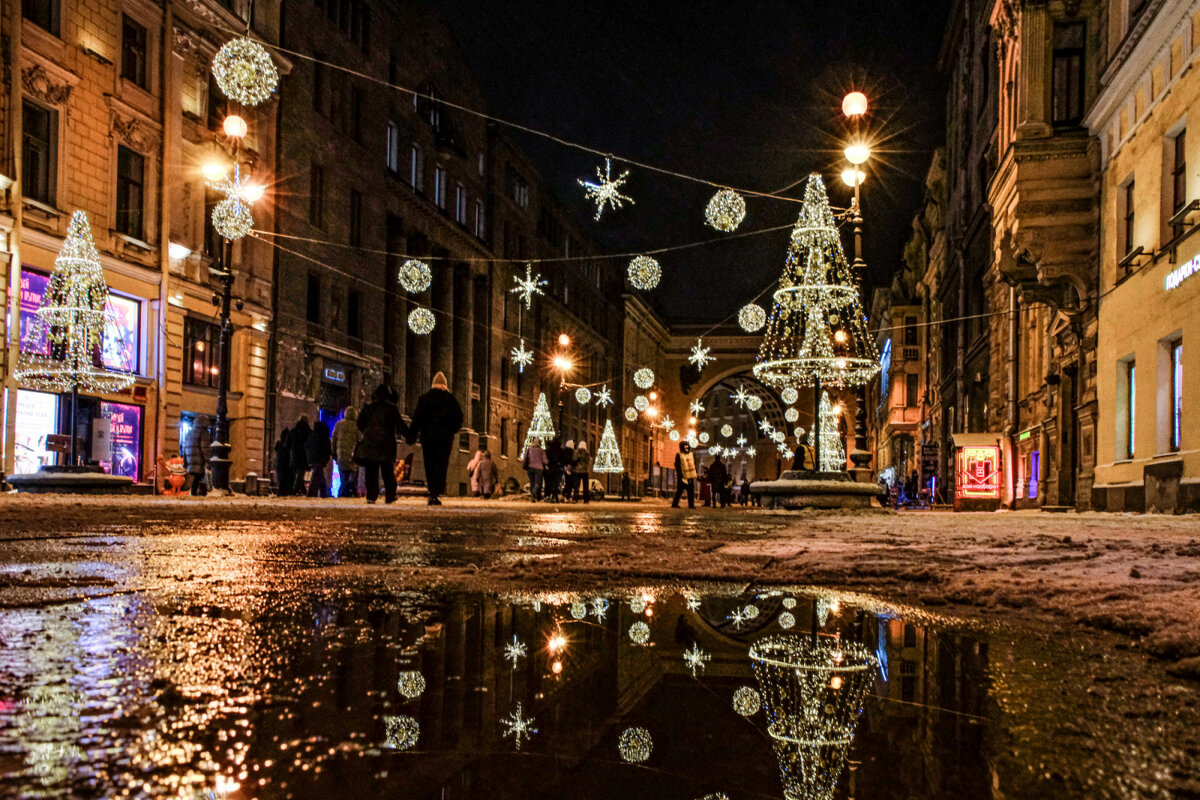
(312,311)
(503,432)
(133,51)
(43,13)
(910,331)
(356,113)
(1179,173)
(131,176)
(479,219)
(1127,215)
(38,151)
(516,186)
(353,318)
(201,343)
(911,393)
(122,343)
(218,106)
(316,194)
(355,217)
(416,175)
(1067,79)
(1176,394)
(1129,403)
(460,203)
(393,148)
(482,163)
(439,187)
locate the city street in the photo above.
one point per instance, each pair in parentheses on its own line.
(190,619)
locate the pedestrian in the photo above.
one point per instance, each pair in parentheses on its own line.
(471,466)
(580,469)
(436,421)
(197,451)
(381,426)
(717,475)
(554,473)
(705,487)
(485,475)
(567,455)
(298,452)
(283,464)
(345,438)
(535,463)
(319,452)
(744,496)
(685,475)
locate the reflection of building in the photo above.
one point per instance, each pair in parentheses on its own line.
(112,111)
(897,400)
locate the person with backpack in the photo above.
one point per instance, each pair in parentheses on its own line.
(345,438)
(298,454)
(436,422)
(197,451)
(381,426)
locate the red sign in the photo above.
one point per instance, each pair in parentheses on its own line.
(978,473)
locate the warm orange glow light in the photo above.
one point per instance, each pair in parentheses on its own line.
(563,364)
(691,420)
(235,126)
(213,171)
(840,337)
(854,104)
(563,339)
(556,668)
(253,192)
(557,643)
(651,411)
(857,153)
(835,682)
(849,176)
(654,395)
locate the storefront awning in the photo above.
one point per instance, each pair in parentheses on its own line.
(976,439)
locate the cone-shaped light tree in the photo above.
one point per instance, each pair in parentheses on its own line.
(542,426)
(817,332)
(608,454)
(67,334)
(833,454)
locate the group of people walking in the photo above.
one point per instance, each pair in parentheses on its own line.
(716,484)
(559,472)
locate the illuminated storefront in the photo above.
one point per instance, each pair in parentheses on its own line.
(977,472)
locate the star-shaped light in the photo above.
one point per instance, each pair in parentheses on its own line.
(694,658)
(604,397)
(741,396)
(514,652)
(517,726)
(750,451)
(700,356)
(765,426)
(599,609)
(529,286)
(667,423)
(604,189)
(715,450)
(785,451)
(693,602)
(741,440)
(522,357)
(696,407)
(738,618)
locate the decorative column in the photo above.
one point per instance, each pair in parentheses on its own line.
(1033,88)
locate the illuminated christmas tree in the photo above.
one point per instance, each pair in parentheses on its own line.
(608,455)
(542,427)
(833,454)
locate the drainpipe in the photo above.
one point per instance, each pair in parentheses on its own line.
(960,344)
(16,193)
(1010,429)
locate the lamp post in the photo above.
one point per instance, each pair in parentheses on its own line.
(854,106)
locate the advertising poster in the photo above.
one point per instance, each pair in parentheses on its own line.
(37,418)
(979,472)
(33,292)
(125,432)
(121,333)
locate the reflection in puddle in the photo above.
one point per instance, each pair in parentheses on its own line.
(650,692)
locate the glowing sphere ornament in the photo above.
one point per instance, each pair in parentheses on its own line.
(674,436)
(727,430)
(789,602)
(641,402)
(631,413)
(635,745)
(725,210)
(754,402)
(231,218)
(421,321)
(791,415)
(578,609)
(639,632)
(415,276)
(746,701)
(703,437)
(644,273)
(643,378)
(752,317)
(401,732)
(583,395)
(789,395)
(245,72)
(750,612)
(411,683)
(786,620)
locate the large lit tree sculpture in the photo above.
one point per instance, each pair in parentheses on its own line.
(71,323)
(608,454)
(833,454)
(817,332)
(541,426)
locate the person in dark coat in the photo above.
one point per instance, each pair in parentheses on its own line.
(318,451)
(284,479)
(554,472)
(717,475)
(381,426)
(744,496)
(197,450)
(298,453)
(436,421)
(685,475)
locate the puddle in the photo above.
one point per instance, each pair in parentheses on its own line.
(700,692)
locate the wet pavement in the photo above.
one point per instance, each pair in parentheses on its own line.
(299,652)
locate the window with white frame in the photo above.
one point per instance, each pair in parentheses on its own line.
(416,170)
(460,204)
(439,187)
(393,148)
(1126,407)
(480,227)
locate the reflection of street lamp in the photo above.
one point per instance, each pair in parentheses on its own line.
(854,106)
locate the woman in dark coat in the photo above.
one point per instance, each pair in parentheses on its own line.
(436,421)
(298,451)
(318,451)
(284,479)
(197,450)
(381,426)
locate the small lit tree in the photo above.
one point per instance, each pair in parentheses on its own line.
(608,454)
(541,427)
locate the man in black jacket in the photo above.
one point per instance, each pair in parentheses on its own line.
(436,421)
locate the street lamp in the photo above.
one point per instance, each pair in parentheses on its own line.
(563,364)
(854,106)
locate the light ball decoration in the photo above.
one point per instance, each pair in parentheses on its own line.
(631,413)
(674,436)
(703,437)
(791,415)
(583,395)
(635,745)
(578,609)
(789,602)
(641,402)
(779,437)
(727,430)
(752,317)
(789,395)
(854,104)
(231,218)
(750,612)
(798,432)
(245,72)
(746,701)
(402,732)
(725,210)
(644,273)
(693,440)
(637,604)
(786,620)
(411,683)
(415,276)
(639,632)
(421,321)
(754,402)
(643,378)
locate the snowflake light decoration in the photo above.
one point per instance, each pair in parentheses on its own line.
(599,608)
(667,423)
(518,726)
(411,683)
(639,632)
(631,413)
(415,276)
(715,450)
(643,378)
(644,273)
(727,430)
(700,356)
(789,395)
(635,745)
(752,318)
(786,451)
(746,701)
(750,452)
(604,397)
(641,402)
(515,651)
(738,618)
(605,189)
(521,357)
(401,732)
(754,402)
(674,436)
(421,321)
(725,210)
(791,415)
(741,441)
(696,407)
(694,658)
(245,72)
(740,396)
(766,427)
(528,286)
(583,395)
(693,602)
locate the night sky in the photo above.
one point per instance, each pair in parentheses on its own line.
(745,93)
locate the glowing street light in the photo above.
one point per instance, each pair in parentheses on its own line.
(563,364)
(857,153)
(854,104)
(853,177)
(213,171)
(235,126)
(253,192)
(563,339)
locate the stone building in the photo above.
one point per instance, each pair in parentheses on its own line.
(109,108)
(1148,445)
